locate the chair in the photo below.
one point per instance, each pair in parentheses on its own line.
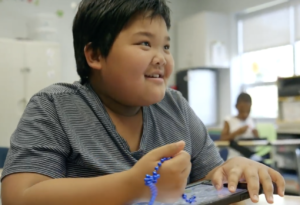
(215,135)
(224,153)
(268,131)
(3,154)
(297,152)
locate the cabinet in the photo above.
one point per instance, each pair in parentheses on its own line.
(203,41)
(26,67)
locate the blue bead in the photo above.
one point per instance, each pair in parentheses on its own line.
(148,176)
(159,164)
(154,173)
(156,168)
(184,196)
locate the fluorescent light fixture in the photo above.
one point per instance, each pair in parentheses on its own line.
(264,6)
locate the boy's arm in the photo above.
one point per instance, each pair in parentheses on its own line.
(36,189)
(255,133)
(226,135)
(39,148)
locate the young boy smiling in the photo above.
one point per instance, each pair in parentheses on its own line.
(94,141)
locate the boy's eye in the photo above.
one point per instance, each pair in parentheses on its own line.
(167,47)
(145,43)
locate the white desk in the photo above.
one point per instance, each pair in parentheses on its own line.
(261,142)
(287,200)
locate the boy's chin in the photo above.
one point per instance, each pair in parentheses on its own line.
(154,98)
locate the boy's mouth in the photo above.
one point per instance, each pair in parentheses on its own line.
(154,76)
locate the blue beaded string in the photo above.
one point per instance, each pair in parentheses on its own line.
(152,180)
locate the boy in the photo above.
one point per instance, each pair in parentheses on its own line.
(93,142)
(241,126)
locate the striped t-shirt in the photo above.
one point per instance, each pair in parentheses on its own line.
(65,131)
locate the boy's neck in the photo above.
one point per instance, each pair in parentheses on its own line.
(115,107)
(238,117)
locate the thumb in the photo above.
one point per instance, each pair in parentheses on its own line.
(169,150)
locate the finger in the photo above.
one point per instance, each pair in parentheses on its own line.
(186,172)
(266,181)
(180,162)
(251,176)
(169,150)
(217,178)
(279,180)
(233,177)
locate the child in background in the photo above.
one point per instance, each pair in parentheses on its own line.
(241,126)
(93,142)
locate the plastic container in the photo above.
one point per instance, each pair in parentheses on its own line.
(43,34)
(43,27)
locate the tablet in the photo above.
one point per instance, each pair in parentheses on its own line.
(206,193)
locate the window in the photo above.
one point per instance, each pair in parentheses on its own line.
(268,64)
(263,98)
(268,50)
(297,58)
(260,70)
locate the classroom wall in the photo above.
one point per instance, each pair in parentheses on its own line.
(14,17)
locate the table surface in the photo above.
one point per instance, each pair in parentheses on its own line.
(287,200)
(261,142)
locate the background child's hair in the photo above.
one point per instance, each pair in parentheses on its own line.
(100,21)
(244,97)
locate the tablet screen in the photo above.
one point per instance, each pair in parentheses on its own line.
(205,194)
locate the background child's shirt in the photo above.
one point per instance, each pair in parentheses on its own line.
(65,131)
(235,124)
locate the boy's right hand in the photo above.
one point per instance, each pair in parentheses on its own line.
(173,173)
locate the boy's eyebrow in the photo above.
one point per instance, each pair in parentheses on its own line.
(150,35)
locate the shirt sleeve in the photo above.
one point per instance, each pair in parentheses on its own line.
(252,124)
(38,144)
(205,156)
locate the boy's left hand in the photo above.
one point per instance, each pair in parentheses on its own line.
(242,169)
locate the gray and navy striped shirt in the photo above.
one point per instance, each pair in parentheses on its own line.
(65,131)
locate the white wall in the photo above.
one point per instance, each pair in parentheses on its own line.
(13,19)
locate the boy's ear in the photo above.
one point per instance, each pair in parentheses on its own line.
(92,57)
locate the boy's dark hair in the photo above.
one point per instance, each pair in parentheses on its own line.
(100,21)
(244,97)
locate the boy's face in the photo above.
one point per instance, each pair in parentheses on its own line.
(139,64)
(244,109)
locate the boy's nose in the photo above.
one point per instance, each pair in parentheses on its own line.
(159,60)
